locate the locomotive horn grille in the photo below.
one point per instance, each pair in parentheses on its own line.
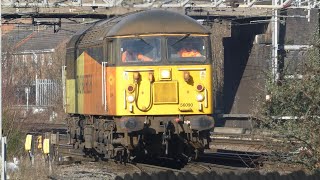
(165,92)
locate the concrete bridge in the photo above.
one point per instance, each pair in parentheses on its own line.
(107,8)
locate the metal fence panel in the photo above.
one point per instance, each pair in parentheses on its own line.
(47,91)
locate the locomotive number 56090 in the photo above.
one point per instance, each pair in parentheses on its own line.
(186,104)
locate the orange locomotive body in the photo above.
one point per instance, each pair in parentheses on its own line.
(129,92)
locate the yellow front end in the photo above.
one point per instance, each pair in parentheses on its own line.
(164,90)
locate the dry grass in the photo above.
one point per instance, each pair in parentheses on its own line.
(37,171)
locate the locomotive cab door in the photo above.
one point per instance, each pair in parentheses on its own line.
(104,64)
(110,48)
(108,61)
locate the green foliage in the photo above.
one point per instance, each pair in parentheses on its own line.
(298,99)
(12,130)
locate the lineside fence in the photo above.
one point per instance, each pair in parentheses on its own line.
(299,175)
(46,91)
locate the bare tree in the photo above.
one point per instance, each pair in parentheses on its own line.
(293,111)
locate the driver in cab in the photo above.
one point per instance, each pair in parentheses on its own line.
(189,51)
(132,54)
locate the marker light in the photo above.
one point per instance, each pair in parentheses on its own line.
(130,88)
(200,97)
(200,87)
(165,74)
(130,98)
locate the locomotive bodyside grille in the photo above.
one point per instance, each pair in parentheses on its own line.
(165,92)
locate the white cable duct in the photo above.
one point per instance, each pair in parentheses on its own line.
(179,4)
(113,2)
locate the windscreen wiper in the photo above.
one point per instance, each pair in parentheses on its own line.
(181,39)
(145,41)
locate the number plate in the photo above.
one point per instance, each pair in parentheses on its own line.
(186,105)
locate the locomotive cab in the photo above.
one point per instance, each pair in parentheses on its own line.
(165,49)
(151,92)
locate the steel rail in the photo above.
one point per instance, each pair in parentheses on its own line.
(142,165)
(224,167)
(201,166)
(244,158)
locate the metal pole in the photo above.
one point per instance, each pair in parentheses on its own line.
(3,158)
(27,90)
(1,73)
(275,40)
(3,139)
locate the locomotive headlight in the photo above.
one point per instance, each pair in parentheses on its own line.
(200,97)
(130,98)
(165,74)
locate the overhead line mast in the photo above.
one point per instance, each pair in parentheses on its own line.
(2,139)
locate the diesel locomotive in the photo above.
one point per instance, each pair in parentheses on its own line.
(140,86)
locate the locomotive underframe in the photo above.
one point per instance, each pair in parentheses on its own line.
(165,136)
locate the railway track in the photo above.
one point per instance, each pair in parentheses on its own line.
(154,168)
(244,142)
(210,161)
(75,157)
(220,169)
(234,159)
(192,167)
(72,156)
(247,139)
(220,140)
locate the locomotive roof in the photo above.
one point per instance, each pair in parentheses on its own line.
(146,22)
(156,21)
